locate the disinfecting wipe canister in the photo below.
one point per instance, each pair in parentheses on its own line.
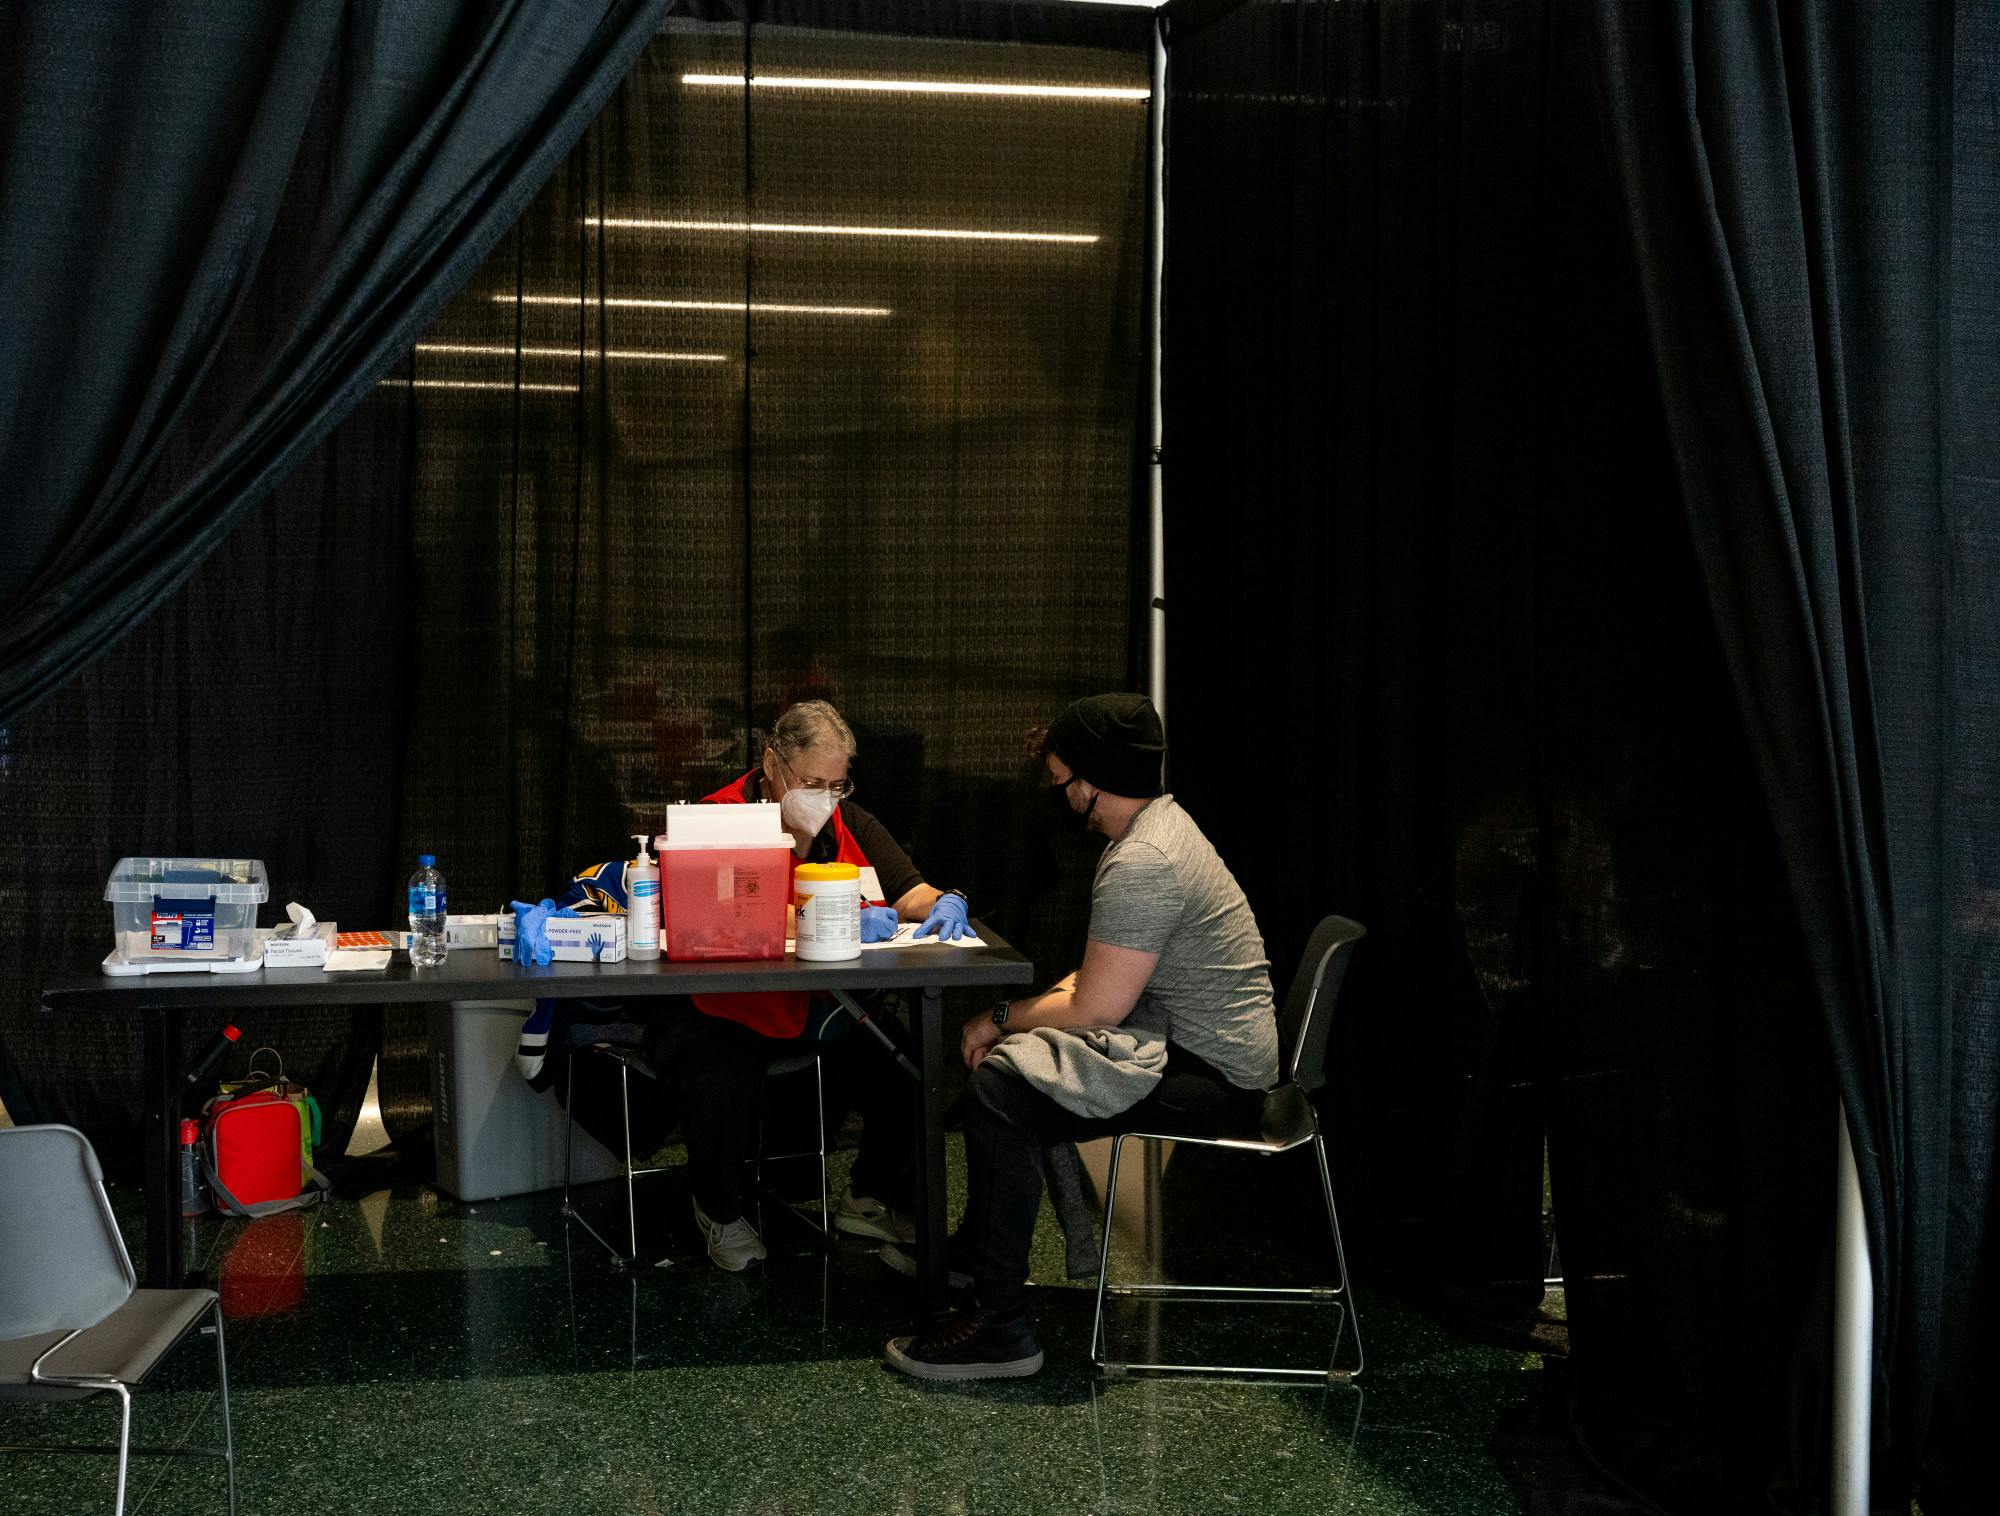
(642,895)
(829,901)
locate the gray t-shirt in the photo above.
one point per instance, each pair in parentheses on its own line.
(1162,888)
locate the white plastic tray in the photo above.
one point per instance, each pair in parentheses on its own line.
(118,967)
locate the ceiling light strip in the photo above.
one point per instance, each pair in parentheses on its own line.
(479,384)
(816,229)
(759,307)
(507,351)
(923,87)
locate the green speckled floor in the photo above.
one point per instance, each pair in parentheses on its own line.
(403,1352)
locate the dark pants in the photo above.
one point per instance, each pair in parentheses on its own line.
(1008,1126)
(711,1074)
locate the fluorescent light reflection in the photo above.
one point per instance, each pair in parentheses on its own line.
(923,87)
(815,229)
(761,307)
(646,355)
(478,384)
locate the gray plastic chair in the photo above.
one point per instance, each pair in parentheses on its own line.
(72,1322)
(1288,1122)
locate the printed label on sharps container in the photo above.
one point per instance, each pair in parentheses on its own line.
(183,926)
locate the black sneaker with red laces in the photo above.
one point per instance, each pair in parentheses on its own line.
(969,1345)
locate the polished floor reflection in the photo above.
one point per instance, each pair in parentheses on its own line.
(403,1352)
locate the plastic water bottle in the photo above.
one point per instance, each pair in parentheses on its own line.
(427,912)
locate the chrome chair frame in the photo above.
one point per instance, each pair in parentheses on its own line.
(1309,1007)
(93,1383)
(631,1060)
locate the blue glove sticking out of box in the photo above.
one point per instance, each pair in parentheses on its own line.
(878,923)
(531,932)
(948,918)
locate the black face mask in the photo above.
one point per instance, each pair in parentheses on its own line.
(1065,813)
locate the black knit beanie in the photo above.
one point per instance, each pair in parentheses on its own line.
(1114,741)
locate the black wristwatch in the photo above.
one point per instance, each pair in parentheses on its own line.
(1000,1013)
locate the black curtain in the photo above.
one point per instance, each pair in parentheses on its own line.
(147,158)
(218,225)
(639,487)
(1811,193)
(1425,538)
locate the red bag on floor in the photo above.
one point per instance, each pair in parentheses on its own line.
(257,1142)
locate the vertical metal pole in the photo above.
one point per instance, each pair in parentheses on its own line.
(1156,1240)
(750,749)
(1156,230)
(165,1268)
(932,1293)
(1853,1337)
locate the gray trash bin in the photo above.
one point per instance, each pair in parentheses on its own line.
(495,1135)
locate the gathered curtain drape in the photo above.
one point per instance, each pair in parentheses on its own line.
(219,224)
(145,159)
(1810,194)
(1580,474)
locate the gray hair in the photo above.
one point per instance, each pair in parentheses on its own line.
(809,724)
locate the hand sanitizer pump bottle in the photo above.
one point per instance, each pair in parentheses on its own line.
(642,896)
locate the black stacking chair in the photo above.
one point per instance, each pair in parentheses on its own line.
(1289,1122)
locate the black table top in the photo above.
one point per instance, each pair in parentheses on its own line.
(481,973)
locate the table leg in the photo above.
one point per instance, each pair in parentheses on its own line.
(162,1139)
(931,1228)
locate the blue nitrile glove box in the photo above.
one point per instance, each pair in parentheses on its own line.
(574,939)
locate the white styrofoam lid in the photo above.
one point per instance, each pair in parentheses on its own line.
(756,824)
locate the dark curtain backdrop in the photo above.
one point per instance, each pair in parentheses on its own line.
(1814,194)
(147,157)
(219,224)
(565,563)
(1425,542)
(714,474)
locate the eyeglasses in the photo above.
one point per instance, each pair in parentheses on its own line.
(840,789)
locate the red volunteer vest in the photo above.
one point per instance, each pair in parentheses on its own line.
(774,1013)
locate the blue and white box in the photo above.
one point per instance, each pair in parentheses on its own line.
(574,939)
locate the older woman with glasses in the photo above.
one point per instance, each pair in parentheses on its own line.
(805,771)
(710,1051)
(716,1049)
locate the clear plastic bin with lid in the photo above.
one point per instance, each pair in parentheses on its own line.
(168,911)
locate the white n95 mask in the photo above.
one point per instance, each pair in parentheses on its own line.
(806,811)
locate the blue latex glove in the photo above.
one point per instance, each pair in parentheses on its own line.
(878,923)
(531,932)
(948,918)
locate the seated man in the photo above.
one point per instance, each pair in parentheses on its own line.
(1168,1026)
(710,1051)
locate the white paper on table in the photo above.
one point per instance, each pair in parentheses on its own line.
(906,937)
(356,960)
